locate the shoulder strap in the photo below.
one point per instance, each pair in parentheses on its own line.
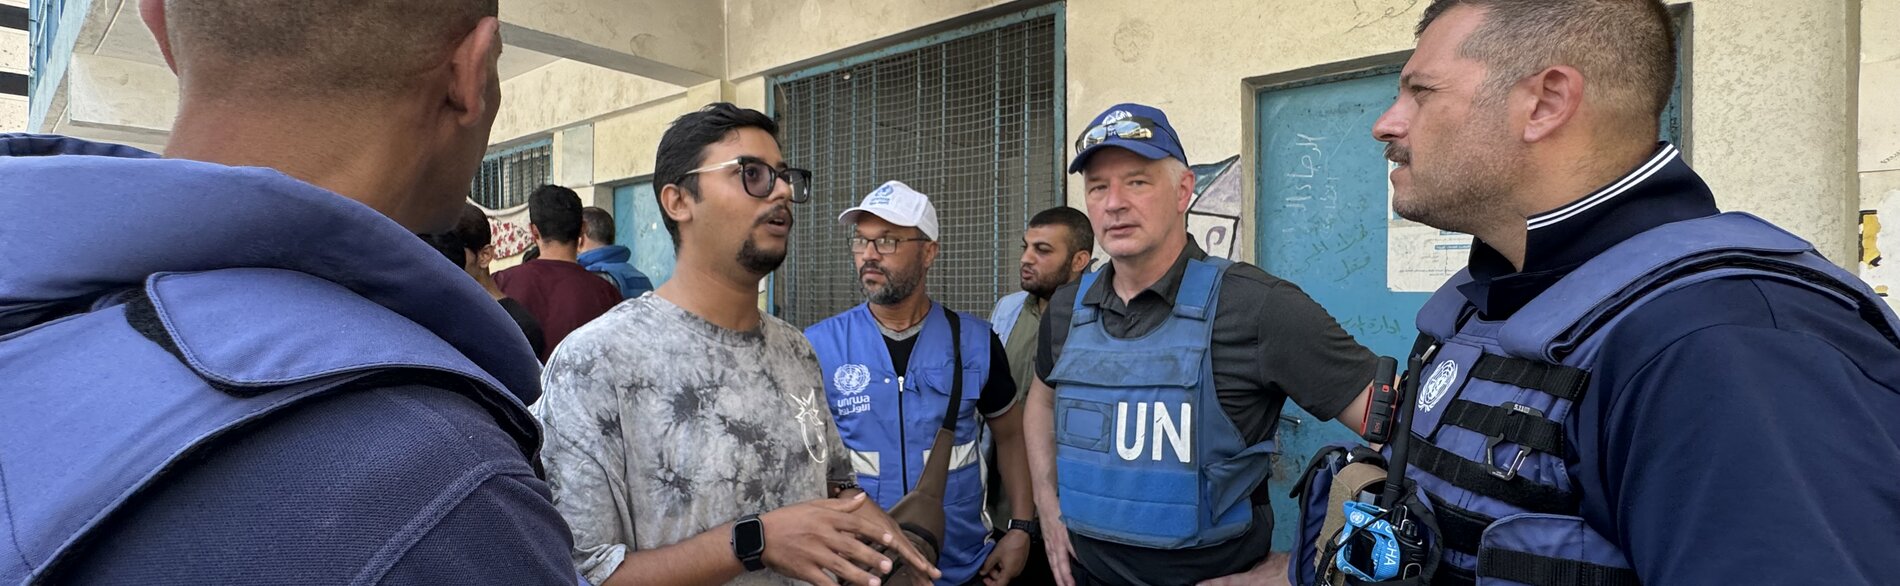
(1199,284)
(956,369)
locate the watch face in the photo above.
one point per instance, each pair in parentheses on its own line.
(748,538)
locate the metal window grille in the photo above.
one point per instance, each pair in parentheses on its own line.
(972,121)
(508,176)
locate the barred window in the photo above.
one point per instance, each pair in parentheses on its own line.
(973,121)
(507,176)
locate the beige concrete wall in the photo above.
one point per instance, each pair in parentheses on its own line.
(1880,143)
(568,93)
(763,35)
(625,145)
(1773,113)
(12,113)
(13,51)
(130,96)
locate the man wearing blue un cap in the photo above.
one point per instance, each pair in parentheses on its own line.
(1160,378)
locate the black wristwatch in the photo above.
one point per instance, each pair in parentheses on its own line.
(1030,527)
(748,542)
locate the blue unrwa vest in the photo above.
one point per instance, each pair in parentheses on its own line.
(888,417)
(1495,397)
(119,358)
(1145,455)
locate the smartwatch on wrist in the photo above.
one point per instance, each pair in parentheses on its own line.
(1030,527)
(748,542)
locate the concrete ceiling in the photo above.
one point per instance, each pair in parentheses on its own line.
(127,38)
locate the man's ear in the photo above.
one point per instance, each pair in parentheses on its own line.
(676,203)
(153,13)
(472,69)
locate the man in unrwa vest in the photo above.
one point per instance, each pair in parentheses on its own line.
(1160,379)
(1625,384)
(887,366)
(263,376)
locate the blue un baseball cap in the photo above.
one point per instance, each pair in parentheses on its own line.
(1143,130)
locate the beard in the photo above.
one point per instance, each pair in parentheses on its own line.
(758,260)
(1460,188)
(1044,285)
(898,285)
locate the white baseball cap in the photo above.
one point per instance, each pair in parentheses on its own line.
(898,204)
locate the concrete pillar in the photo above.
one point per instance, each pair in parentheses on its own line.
(1772,113)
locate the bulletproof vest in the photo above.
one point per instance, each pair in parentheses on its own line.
(1145,455)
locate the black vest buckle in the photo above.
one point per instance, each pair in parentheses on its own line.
(1491,443)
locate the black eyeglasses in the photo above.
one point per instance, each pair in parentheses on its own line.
(1130,128)
(759,178)
(885,245)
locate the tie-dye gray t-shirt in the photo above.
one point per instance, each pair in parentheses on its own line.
(661,425)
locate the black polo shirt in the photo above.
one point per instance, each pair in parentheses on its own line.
(1271,342)
(1726,423)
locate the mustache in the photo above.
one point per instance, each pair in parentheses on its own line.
(1397,154)
(868,267)
(778,212)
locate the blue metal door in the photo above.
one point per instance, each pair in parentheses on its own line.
(637,226)
(1322,225)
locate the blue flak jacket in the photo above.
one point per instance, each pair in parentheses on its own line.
(1145,456)
(176,332)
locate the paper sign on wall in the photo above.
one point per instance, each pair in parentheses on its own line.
(1420,258)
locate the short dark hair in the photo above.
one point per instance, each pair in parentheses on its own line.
(556,212)
(449,244)
(1081,232)
(319,47)
(473,228)
(683,148)
(599,225)
(1626,49)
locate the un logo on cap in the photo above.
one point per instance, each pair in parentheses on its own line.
(1117,116)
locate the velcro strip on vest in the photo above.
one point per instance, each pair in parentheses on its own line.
(1511,425)
(1537,570)
(1458,529)
(1476,477)
(1557,380)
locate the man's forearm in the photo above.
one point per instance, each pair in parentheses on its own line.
(1039,443)
(1013,460)
(706,559)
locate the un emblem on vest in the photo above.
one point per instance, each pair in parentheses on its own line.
(1436,386)
(851,379)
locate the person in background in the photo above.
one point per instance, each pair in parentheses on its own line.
(1058,245)
(473,252)
(600,255)
(561,295)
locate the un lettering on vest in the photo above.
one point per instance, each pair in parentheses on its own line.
(1178,435)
